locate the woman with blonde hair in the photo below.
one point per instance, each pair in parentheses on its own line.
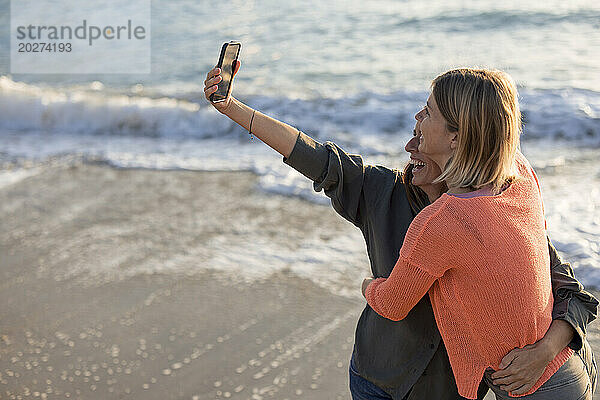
(406,359)
(480,249)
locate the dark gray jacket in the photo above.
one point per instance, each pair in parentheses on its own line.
(396,355)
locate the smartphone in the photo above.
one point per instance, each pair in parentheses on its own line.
(229,55)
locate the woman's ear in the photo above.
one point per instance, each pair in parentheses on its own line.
(453,136)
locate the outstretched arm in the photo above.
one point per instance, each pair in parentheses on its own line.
(276,134)
(339,174)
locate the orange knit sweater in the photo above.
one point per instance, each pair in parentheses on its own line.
(484,261)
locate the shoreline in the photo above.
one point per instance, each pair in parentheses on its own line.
(155,320)
(109,289)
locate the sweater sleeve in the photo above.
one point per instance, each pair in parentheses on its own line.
(417,267)
(339,174)
(572,303)
(394,297)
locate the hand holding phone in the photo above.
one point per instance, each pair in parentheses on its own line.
(228,61)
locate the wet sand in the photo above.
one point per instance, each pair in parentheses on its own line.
(107,291)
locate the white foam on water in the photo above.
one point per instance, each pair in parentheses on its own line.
(370,122)
(128,130)
(12,176)
(570,182)
(338,263)
(26,107)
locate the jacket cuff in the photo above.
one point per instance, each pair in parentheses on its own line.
(308,157)
(578,335)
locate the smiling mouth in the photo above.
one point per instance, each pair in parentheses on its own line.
(417,165)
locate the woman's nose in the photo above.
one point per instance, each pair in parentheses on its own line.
(412,145)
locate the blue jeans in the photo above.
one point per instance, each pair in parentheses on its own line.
(362,389)
(571,382)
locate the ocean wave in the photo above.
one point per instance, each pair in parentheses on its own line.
(26,107)
(368,121)
(477,21)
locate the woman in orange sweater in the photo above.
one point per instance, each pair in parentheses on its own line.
(382,202)
(468,248)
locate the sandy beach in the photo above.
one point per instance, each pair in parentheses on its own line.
(109,290)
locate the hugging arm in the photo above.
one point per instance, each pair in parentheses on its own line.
(573,309)
(416,269)
(394,297)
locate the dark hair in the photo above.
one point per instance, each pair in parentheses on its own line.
(417,198)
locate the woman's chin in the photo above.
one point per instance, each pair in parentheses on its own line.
(419,179)
(420,183)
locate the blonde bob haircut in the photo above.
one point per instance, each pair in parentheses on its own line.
(482,107)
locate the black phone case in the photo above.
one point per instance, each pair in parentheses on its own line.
(220,63)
